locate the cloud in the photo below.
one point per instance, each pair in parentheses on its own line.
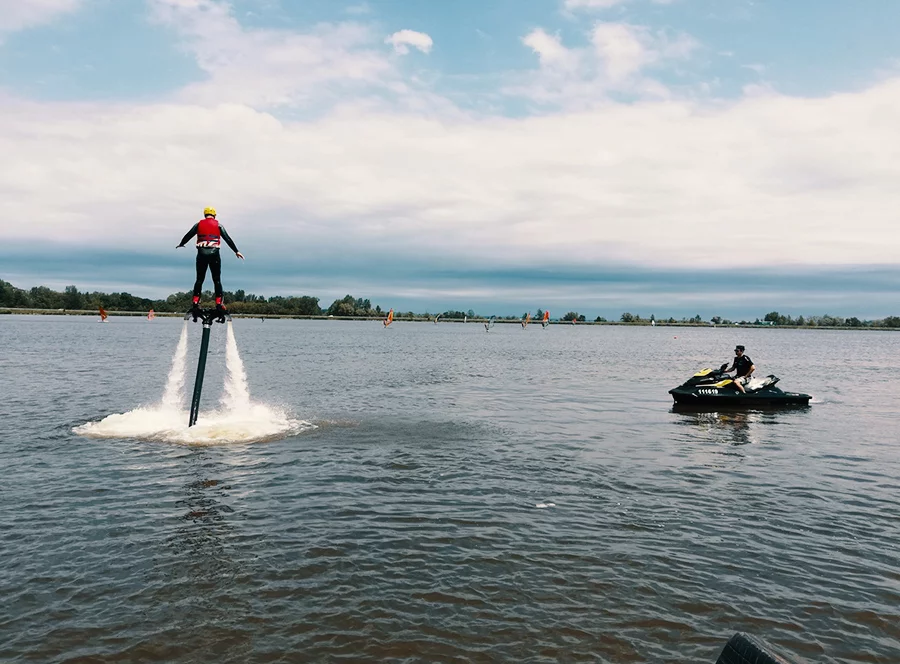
(590,5)
(267,67)
(359,9)
(765,180)
(21,14)
(614,63)
(423,282)
(402,39)
(620,48)
(549,49)
(626,49)
(657,179)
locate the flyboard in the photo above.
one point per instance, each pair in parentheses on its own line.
(207,317)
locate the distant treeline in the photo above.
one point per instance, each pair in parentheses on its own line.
(239,302)
(41,297)
(772,318)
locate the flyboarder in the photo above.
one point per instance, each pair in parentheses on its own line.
(209,234)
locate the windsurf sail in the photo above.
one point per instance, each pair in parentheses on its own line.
(151,315)
(103,314)
(526,321)
(546,320)
(390,318)
(465,319)
(437,318)
(489,324)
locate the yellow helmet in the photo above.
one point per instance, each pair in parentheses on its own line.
(209,212)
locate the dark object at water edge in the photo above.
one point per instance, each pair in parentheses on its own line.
(746,649)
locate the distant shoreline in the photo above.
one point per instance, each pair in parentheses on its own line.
(422,319)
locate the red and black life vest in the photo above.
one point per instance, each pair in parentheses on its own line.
(208,234)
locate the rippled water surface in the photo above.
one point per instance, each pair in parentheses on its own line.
(515,496)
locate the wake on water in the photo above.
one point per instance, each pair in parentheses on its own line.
(239,420)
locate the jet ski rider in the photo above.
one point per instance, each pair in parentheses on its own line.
(209,232)
(742,366)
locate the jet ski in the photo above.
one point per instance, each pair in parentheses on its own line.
(713,387)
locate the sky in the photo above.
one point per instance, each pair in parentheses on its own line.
(665,157)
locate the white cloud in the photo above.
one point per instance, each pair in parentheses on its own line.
(359,9)
(266,67)
(765,180)
(619,47)
(549,48)
(590,5)
(21,14)
(616,62)
(403,39)
(660,180)
(626,49)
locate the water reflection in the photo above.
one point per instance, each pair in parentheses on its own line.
(197,589)
(204,516)
(732,427)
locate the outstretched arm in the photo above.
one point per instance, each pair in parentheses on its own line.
(191,233)
(229,241)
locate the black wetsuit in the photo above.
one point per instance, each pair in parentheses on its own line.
(209,257)
(742,364)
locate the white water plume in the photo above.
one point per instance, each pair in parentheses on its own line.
(173,397)
(237,421)
(237,394)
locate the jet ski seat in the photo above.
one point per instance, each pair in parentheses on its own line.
(757,384)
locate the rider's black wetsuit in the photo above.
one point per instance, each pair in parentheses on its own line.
(208,256)
(742,364)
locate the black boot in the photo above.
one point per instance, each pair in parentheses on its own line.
(196,312)
(222,312)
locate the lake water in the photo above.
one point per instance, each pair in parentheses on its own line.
(438,493)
